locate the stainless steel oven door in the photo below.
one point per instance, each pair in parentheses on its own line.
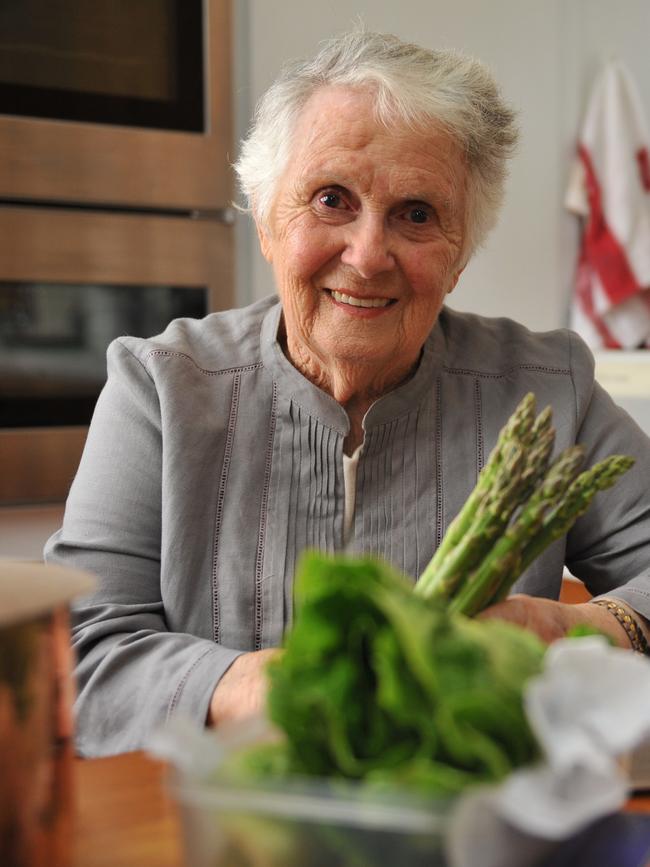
(73,265)
(108,163)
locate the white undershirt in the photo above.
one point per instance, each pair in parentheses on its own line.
(350,465)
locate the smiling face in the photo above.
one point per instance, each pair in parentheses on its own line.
(365,238)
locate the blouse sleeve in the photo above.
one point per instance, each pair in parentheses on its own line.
(609,547)
(133,673)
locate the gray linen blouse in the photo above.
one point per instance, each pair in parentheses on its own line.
(212,463)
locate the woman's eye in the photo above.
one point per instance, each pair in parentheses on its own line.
(418,215)
(331,199)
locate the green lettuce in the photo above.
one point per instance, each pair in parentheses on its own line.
(378,684)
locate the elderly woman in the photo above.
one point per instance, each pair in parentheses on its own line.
(351,413)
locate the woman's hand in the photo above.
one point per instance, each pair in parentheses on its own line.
(552,620)
(241,692)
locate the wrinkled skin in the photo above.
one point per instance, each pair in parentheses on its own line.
(241,692)
(378,215)
(551,620)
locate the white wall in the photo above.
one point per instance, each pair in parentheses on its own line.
(544,54)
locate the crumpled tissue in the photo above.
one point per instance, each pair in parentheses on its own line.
(588,708)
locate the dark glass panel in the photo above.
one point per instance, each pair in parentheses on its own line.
(106,61)
(53,341)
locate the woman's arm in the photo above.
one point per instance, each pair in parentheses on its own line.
(241,692)
(552,620)
(133,671)
(609,547)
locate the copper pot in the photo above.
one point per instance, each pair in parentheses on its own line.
(36,712)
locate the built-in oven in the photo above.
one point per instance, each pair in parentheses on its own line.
(115,217)
(70,282)
(116,102)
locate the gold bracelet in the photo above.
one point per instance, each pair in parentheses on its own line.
(628,622)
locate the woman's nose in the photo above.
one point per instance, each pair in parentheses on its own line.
(367,247)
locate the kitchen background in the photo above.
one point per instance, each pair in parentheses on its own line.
(546,57)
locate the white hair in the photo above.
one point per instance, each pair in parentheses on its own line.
(416,86)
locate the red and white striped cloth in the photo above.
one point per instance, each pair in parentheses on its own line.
(610,189)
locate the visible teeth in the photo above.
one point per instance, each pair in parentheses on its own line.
(359,302)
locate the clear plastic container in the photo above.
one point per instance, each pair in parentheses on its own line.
(306,824)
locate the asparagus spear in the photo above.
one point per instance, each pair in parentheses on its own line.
(562,517)
(489,519)
(515,475)
(503,560)
(515,465)
(515,429)
(542,441)
(576,502)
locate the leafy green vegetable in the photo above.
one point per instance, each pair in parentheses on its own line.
(585,630)
(378,684)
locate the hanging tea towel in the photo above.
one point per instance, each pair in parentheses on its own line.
(610,189)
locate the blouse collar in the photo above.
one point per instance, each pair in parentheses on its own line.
(296,387)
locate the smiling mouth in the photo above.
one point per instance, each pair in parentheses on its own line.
(354,301)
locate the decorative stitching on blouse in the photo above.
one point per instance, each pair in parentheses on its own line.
(181,685)
(573,383)
(221,496)
(312,414)
(636,590)
(478,411)
(221,372)
(261,539)
(438,464)
(537,368)
(405,414)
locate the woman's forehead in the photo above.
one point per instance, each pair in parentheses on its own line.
(332,112)
(338,139)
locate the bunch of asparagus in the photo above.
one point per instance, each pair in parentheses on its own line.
(521,504)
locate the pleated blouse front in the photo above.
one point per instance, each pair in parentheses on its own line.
(395,508)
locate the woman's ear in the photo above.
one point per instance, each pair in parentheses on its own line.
(265,241)
(454,280)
